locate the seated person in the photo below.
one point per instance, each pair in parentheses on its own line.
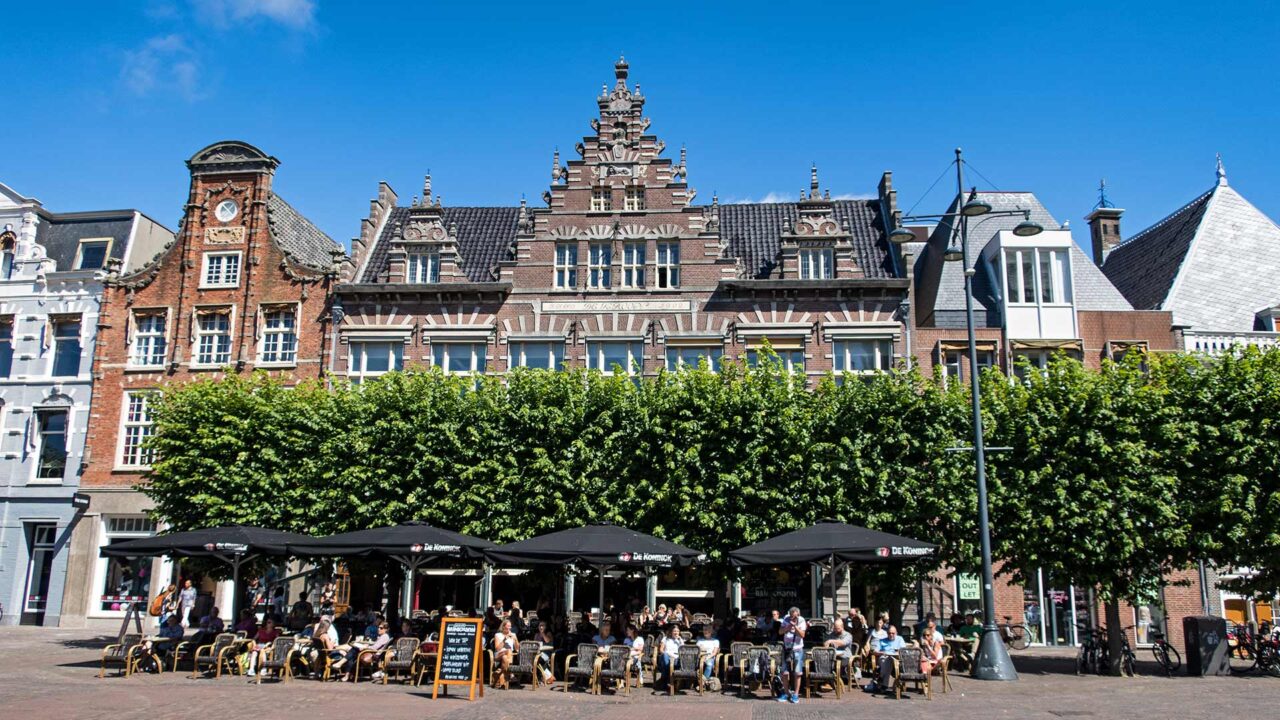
(171,632)
(546,640)
(708,650)
(248,623)
(971,629)
(210,626)
(636,643)
(374,620)
(885,650)
(842,640)
(957,622)
(324,644)
(407,629)
(670,651)
(357,652)
(931,645)
(262,640)
(505,647)
(604,638)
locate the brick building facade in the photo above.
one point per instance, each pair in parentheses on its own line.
(244,286)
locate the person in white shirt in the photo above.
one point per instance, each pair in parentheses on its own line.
(670,651)
(794,628)
(636,643)
(709,649)
(505,646)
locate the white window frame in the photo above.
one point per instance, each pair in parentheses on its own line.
(284,356)
(198,333)
(667,265)
(841,357)
(422,267)
(68,428)
(519,352)
(599,265)
(135,416)
(786,356)
(224,280)
(676,360)
(56,340)
(601,199)
(817,263)
(357,357)
(106,252)
(143,343)
(38,546)
(443,353)
(139,527)
(954,363)
(634,200)
(1017,285)
(633,254)
(566,265)
(635,356)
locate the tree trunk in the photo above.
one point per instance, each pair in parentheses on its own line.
(1115,637)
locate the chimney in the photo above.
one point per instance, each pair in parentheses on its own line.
(1104,226)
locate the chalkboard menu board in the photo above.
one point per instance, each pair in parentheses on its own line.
(459,659)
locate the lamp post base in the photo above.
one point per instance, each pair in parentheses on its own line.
(992,661)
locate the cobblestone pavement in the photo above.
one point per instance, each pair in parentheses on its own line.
(52,673)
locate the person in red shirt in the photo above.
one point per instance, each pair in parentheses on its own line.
(266,635)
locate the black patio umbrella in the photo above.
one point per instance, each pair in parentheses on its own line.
(412,544)
(603,546)
(830,544)
(234,545)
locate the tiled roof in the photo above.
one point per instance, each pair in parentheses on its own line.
(1145,266)
(61,233)
(753,231)
(1213,263)
(1092,289)
(305,243)
(484,234)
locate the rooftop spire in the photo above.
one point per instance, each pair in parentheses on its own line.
(1221,171)
(1103,202)
(620,68)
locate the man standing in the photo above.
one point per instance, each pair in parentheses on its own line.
(793,629)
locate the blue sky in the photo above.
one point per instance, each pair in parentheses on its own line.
(106,100)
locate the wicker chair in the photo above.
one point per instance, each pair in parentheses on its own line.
(277,658)
(821,668)
(817,633)
(730,661)
(125,653)
(649,660)
(615,668)
(216,655)
(688,668)
(943,667)
(906,669)
(399,659)
(751,661)
(526,663)
(584,667)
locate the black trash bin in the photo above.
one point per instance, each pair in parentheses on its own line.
(1206,645)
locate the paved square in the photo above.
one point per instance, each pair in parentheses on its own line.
(52,673)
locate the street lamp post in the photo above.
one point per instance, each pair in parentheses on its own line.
(992,661)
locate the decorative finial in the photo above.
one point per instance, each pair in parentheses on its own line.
(813,182)
(415,202)
(620,68)
(439,201)
(426,186)
(715,198)
(1221,171)
(555,166)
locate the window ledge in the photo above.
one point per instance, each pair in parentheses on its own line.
(275,365)
(145,368)
(45,482)
(202,367)
(202,286)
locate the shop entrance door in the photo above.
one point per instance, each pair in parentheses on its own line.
(1059,612)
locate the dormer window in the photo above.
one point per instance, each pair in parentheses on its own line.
(92,254)
(601,200)
(1037,275)
(817,264)
(423,267)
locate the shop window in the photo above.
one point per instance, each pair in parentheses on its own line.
(125,580)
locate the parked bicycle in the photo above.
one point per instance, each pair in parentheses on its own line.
(1015,635)
(1095,653)
(1167,656)
(1249,651)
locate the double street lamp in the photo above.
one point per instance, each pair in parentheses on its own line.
(992,661)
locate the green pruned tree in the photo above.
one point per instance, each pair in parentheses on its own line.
(1090,490)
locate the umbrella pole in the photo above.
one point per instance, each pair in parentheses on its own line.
(600,620)
(833,584)
(236,598)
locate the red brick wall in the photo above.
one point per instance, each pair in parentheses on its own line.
(173,284)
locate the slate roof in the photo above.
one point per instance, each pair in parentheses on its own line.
(61,233)
(1144,267)
(1213,263)
(1092,290)
(753,231)
(302,241)
(484,234)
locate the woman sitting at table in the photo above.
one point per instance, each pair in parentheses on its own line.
(262,640)
(679,616)
(646,616)
(636,643)
(505,646)
(366,654)
(547,641)
(931,644)
(324,642)
(661,617)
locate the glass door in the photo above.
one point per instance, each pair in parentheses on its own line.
(40,544)
(1059,612)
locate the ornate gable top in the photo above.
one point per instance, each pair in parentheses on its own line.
(231,156)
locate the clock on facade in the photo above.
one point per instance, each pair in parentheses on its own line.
(227,210)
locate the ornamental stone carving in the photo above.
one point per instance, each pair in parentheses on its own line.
(232,235)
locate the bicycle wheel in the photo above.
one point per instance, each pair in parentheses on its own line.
(1082,660)
(1162,657)
(1175,660)
(1242,659)
(1128,663)
(1018,637)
